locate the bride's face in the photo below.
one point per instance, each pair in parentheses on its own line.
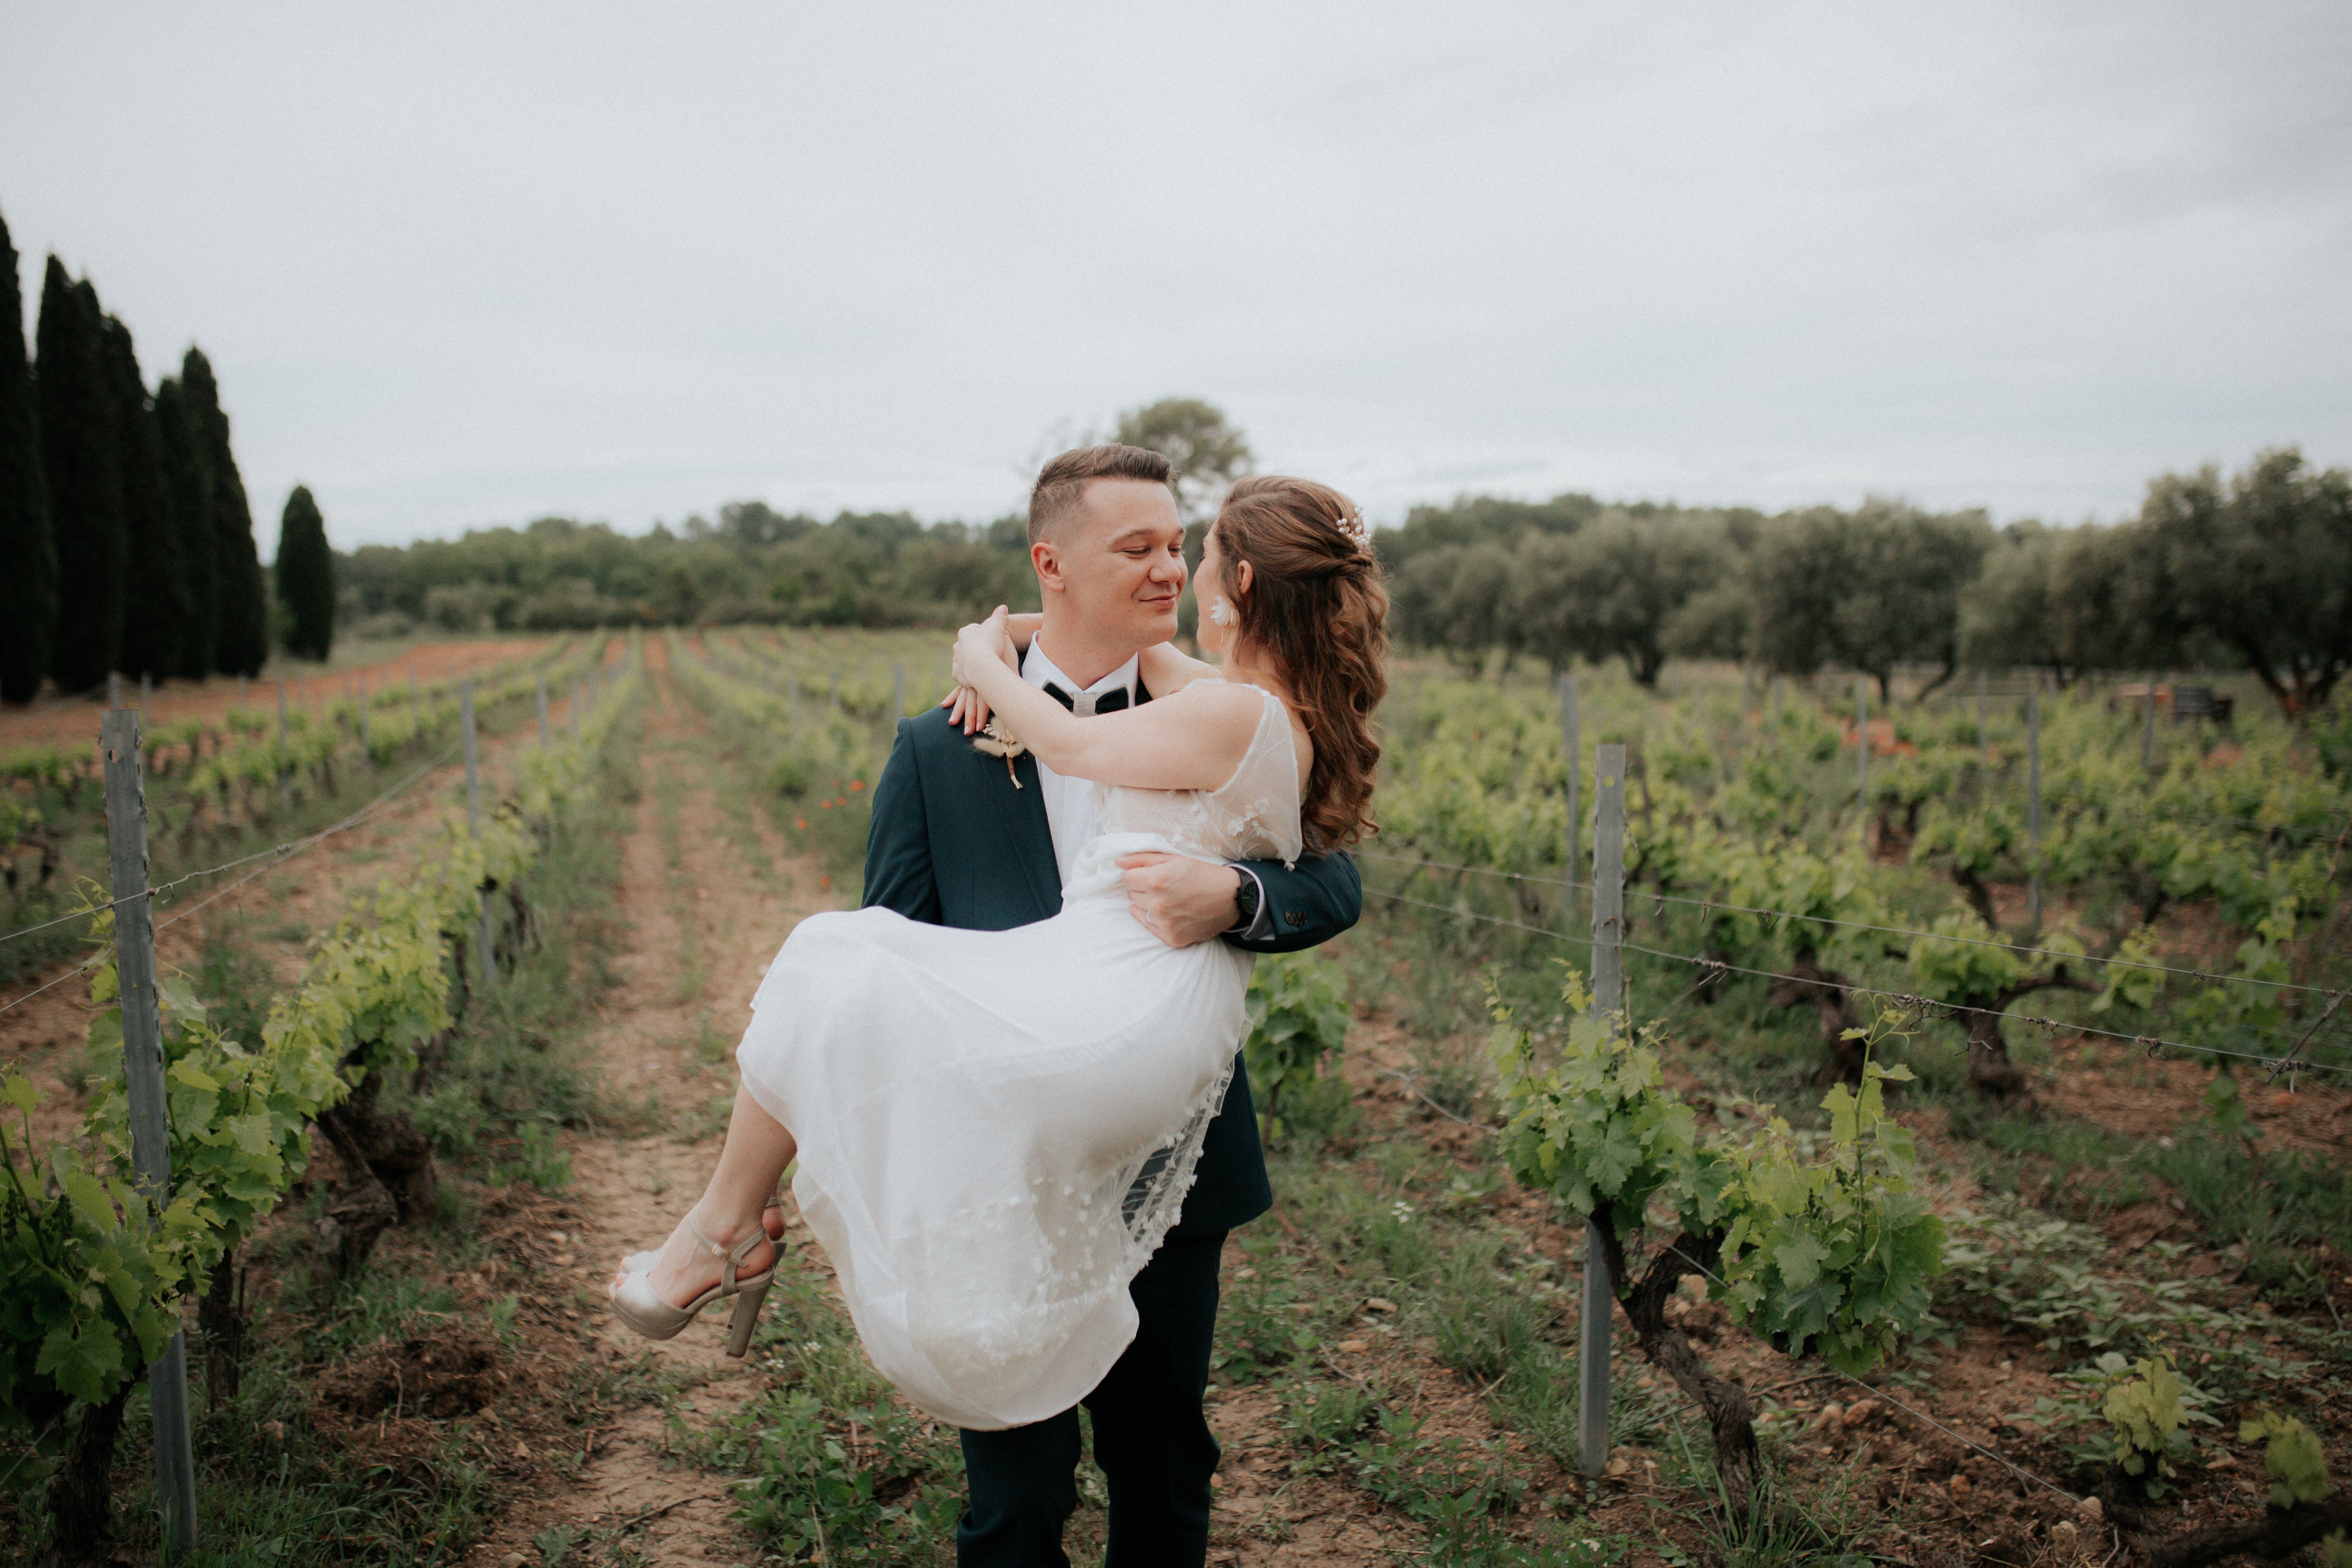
(1219,579)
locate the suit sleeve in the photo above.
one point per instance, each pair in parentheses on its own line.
(898,872)
(1305,907)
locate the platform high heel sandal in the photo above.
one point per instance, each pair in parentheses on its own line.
(642,1262)
(635,1304)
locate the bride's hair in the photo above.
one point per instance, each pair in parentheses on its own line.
(1316,606)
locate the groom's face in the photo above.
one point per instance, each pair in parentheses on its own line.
(1118,565)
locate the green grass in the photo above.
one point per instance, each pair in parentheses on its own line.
(894,1499)
(2281,1205)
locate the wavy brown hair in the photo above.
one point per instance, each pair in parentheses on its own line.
(1318,608)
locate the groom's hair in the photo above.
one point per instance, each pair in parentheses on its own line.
(1061,489)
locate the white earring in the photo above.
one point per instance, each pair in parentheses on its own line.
(1220,612)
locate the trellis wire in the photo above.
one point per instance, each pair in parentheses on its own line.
(1905,999)
(289,850)
(1855,925)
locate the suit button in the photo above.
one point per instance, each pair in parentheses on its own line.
(1293,917)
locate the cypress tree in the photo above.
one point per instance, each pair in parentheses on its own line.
(28,555)
(241,632)
(155,617)
(78,453)
(189,479)
(306,577)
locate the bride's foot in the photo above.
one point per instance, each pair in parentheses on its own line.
(684,1270)
(772,1221)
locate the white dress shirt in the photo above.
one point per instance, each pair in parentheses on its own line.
(1070,807)
(1072,813)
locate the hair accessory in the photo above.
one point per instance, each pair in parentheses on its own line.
(1353,525)
(1220,612)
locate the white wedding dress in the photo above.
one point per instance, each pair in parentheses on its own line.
(997,1128)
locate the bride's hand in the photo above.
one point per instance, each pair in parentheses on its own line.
(982,643)
(966,708)
(975,645)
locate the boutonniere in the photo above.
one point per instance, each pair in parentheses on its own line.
(996,740)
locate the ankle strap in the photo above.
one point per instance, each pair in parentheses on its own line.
(729,1260)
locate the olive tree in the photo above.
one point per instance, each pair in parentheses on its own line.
(2263,564)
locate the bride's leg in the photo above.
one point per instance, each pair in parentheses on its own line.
(758,1149)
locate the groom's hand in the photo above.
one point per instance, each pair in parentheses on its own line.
(1179,900)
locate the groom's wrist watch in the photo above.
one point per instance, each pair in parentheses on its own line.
(1245,897)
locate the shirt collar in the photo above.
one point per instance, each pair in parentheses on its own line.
(1038,667)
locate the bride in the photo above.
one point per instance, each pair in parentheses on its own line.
(995,1129)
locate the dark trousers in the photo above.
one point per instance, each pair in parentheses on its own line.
(1152,1439)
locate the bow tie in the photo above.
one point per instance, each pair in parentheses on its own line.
(1086,703)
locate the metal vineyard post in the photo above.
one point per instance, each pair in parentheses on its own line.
(1984,736)
(1862,757)
(1608,998)
(2034,801)
(285,789)
(474,807)
(142,1072)
(1572,748)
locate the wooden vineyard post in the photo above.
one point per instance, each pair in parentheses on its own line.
(1608,996)
(240,690)
(367,753)
(1862,757)
(2034,804)
(415,711)
(146,693)
(2148,729)
(1572,749)
(113,690)
(542,710)
(474,814)
(142,1069)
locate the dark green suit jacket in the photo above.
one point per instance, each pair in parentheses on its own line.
(954,844)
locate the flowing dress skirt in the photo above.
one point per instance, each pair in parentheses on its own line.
(996,1129)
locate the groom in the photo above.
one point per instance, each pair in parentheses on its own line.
(955,842)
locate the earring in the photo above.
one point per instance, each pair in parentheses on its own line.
(1220,612)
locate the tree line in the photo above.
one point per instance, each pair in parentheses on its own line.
(126,540)
(754,563)
(2253,571)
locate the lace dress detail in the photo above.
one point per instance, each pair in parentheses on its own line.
(998,1129)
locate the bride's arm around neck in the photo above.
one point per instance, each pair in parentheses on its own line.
(1193,740)
(1166,669)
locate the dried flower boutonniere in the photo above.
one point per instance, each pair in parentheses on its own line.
(997,741)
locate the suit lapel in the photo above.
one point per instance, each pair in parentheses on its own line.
(1019,814)
(1032,834)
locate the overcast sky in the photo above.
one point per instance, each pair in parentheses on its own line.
(464,264)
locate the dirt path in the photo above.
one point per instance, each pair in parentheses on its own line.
(709,893)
